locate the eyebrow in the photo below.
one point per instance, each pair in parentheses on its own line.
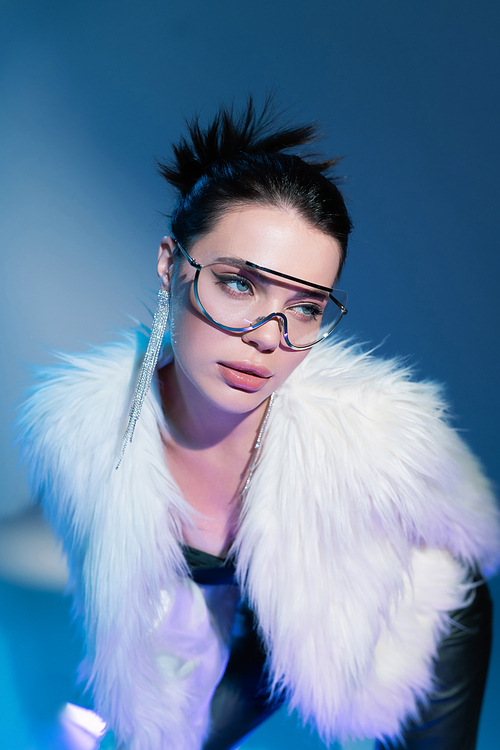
(240,263)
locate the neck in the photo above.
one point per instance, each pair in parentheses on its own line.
(196,423)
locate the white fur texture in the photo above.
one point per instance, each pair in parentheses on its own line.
(362,514)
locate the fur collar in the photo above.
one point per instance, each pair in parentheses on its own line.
(362,514)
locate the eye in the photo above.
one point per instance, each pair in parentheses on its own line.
(234,283)
(307,311)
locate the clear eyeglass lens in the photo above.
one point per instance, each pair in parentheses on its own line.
(237,298)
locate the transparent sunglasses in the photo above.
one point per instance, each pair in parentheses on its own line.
(234,294)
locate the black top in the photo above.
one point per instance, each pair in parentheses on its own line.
(209,569)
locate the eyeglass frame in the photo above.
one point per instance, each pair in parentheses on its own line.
(281,316)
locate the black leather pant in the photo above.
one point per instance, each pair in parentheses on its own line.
(448,722)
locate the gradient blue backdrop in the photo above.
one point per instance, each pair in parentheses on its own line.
(91,91)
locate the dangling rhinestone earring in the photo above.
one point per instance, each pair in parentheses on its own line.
(148,366)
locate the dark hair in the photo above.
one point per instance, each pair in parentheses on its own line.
(240,159)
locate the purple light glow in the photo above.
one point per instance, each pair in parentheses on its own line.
(83,729)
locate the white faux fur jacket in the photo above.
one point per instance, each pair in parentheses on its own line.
(362,515)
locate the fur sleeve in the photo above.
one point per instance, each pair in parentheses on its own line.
(361,493)
(118,528)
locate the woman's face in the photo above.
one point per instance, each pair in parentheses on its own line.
(236,372)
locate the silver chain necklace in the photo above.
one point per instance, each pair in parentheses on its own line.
(257,446)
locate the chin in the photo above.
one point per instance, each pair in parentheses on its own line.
(237,400)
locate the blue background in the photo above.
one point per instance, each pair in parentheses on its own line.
(91,91)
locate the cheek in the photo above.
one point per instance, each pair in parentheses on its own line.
(196,344)
(183,317)
(189,334)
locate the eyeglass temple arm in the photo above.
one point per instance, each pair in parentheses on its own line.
(187,256)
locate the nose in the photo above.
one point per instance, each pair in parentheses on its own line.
(266,338)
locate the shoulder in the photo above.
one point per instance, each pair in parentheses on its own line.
(77,387)
(364,423)
(95,366)
(341,375)
(349,395)
(72,415)
(70,428)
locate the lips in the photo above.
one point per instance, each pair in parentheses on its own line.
(244,375)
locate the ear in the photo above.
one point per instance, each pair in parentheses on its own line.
(166,261)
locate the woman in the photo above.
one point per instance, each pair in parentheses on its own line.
(293,519)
